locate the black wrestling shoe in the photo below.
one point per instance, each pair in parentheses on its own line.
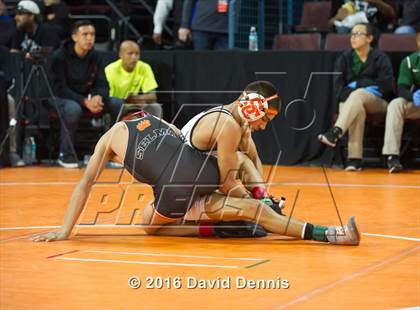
(331,137)
(276,204)
(238,229)
(394,164)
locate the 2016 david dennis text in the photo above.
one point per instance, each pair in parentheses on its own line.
(193,282)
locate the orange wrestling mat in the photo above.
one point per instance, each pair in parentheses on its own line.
(110,263)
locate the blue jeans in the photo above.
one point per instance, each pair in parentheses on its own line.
(116,102)
(71,112)
(342,29)
(204,40)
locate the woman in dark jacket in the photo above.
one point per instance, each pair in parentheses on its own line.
(364,86)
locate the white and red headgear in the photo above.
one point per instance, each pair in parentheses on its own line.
(253,106)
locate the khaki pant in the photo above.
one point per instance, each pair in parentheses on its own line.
(353,115)
(399,109)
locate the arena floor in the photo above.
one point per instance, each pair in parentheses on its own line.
(93,268)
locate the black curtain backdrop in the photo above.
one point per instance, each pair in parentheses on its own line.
(190,82)
(304,83)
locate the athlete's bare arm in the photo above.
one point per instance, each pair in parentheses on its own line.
(227,159)
(102,154)
(247,146)
(219,131)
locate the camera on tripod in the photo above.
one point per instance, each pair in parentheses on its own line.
(39,54)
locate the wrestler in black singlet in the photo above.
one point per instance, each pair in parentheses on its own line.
(157,156)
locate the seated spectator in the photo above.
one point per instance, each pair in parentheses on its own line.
(346,14)
(363,86)
(132,81)
(7,26)
(80,86)
(209,24)
(32,34)
(410,17)
(14,158)
(406,106)
(56,13)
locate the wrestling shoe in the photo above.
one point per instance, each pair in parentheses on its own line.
(347,235)
(331,137)
(276,204)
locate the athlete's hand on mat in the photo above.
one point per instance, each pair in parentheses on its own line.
(184,34)
(50,236)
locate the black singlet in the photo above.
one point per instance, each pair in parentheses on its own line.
(156,155)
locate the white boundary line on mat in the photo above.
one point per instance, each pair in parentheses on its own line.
(174,255)
(145,263)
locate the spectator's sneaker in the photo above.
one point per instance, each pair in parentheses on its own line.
(347,235)
(330,137)
(15,160)
(354,165)
(393,163)
(67,161)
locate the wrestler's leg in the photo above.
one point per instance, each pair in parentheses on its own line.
(196,223)
(222,208)
(152,220)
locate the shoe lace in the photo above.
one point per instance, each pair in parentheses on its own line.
(340,231)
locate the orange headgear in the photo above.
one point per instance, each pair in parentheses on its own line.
(254,106)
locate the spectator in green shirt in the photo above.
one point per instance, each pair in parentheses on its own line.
(406,106)
(132,81)
(362,85)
